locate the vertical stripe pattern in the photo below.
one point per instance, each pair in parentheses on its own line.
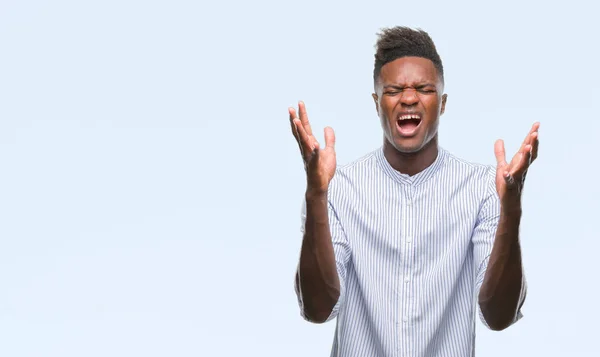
(411,253)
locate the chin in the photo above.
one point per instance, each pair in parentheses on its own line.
(414,144)
(409,146)
(408,149)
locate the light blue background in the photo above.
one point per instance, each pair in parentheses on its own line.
(150,188)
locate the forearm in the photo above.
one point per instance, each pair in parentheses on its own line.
(317,275)
(501,288)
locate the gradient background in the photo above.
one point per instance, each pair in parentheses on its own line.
(150,188)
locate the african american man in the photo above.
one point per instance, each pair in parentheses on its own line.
(408,244)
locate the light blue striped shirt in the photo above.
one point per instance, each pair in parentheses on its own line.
(411,254)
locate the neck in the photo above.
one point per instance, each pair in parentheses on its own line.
(411,163)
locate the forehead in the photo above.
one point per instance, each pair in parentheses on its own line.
(408,70)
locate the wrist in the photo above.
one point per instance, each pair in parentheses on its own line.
(315,194)
(511,206)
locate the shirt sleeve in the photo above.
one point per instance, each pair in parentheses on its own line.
(341,249)
(483,240)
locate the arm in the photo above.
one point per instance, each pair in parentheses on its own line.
(324,248)
(502,292)
(321,271)
(503,289)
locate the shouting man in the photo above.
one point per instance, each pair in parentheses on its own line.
(408,244)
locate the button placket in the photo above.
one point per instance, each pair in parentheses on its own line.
(408,268)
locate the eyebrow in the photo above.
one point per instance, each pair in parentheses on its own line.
(424,84)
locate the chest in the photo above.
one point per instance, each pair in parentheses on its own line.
(419,226)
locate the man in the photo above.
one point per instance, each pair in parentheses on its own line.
(403,244)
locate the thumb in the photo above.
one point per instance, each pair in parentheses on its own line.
(500,153)
(329,138)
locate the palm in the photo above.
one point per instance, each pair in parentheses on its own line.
(319,163)
(323,170)
(510,176)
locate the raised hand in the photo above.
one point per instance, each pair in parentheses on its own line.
(319,163)
(510,177)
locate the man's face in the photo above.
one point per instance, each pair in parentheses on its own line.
(409,99)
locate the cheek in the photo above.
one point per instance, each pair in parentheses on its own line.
(432,105)
(387,106)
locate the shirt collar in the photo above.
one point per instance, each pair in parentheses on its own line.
(417,179)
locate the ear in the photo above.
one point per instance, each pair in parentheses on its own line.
(443,108)
(376,100)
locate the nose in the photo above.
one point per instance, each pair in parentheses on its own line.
(409,97)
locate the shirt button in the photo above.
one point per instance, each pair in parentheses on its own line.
(408,239)
(405,318)
(406,280)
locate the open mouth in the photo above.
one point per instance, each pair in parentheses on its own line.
(408,123)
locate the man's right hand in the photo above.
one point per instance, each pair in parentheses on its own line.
(319,163)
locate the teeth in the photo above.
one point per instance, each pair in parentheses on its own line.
(409,116)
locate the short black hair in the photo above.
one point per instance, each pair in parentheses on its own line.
(400,41)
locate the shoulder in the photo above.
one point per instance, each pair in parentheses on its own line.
(465,170)
(352,178)
(357,171)
(476,181)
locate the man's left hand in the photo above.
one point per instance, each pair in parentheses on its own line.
(510,177)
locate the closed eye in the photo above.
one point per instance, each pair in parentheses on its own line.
(426,90)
